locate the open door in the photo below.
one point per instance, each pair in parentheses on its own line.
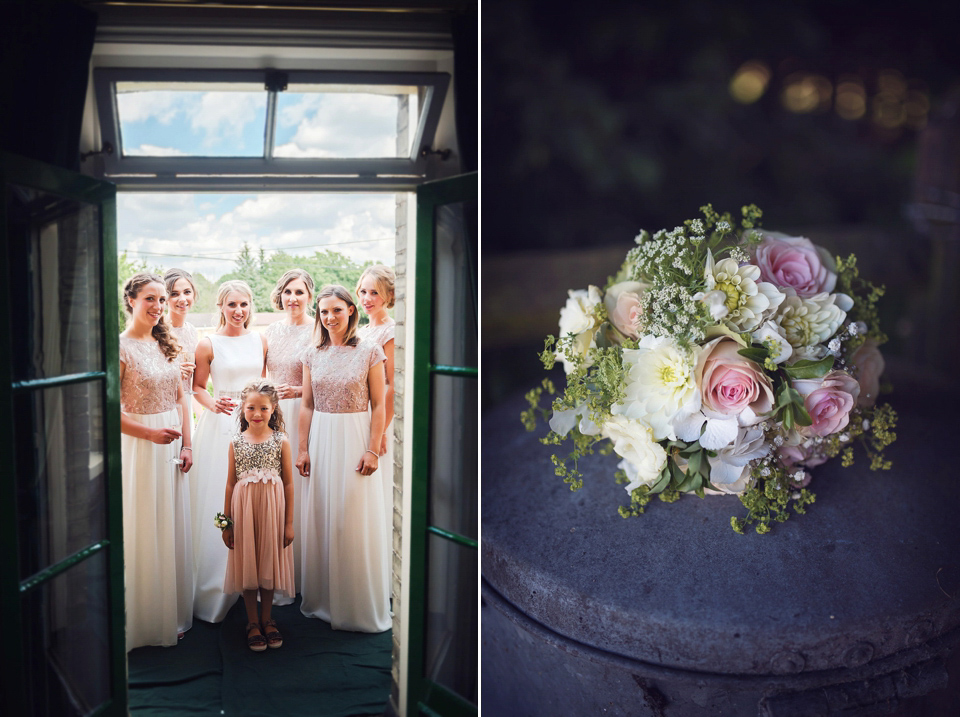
(61,588)
(443,566)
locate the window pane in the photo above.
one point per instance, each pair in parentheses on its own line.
(453,463)
(454,282)
(66,641)
(61,483)
(56,241)
(363,121)
(450,658)
(191,119)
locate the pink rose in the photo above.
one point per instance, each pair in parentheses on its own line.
(731,384)
(830,403)
(868,366)
(800,455)
(623,307)
(795,262)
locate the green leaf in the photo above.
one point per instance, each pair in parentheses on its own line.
(690,483)
(678,474)
(755,354)
(809,369)
(693,466)
(801,417)
(662,482)
(788,419)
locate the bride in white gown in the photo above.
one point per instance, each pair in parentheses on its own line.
(232,356)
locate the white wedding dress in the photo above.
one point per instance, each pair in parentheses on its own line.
(237,360)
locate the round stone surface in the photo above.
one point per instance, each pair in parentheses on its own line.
(871,569)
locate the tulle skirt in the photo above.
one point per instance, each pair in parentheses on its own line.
(291,420)
(208,482)
(345,547)
(158,552)
(258,558)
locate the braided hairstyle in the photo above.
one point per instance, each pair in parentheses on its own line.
(161,332)
(276,297)
(264,388)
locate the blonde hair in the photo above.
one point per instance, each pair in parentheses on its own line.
(275,295)
(321,336)
(264,388)
(225,288)
(174,275)
(161,332)
(385,279)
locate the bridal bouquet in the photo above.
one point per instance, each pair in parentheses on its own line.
(721,359)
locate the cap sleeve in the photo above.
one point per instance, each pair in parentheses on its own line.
(124,357)
(376,353)
(389,334)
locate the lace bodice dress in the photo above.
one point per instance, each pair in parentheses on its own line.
(187,336)
(285,346)
(346,552)
(378,334)
(158,565)
(338,376)
(149,380)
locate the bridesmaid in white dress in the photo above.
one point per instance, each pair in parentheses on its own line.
(181,295)
(158,553)
(375,293)
(286,342)
(344,543)
(232,356)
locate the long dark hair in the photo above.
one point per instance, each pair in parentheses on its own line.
(321,336)
(161,332)
(264,388)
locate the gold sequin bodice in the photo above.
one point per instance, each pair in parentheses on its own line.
(338,375)
(285,347)
(257,461)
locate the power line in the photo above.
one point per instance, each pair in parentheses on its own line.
(219,255)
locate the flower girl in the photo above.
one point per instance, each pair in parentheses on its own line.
(257,519)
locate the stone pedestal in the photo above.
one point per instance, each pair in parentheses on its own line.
(853,608)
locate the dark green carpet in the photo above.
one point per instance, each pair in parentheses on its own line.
(318,672)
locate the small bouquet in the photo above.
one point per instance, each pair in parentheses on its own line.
(222,521)
(721,359)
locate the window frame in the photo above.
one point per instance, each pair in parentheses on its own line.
(195,173)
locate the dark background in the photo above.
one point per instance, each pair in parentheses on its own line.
(621,116)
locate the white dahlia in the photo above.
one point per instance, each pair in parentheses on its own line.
(633,441)
(748,301)
(660,383)
(814,319)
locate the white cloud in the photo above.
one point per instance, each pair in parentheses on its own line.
(225,113)
(340,125)
(298,223)
(161,105)
(151,150)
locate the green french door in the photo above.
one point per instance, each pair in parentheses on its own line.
(442,638)
(61,588)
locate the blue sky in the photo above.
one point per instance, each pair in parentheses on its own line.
(231,123)
(204,232)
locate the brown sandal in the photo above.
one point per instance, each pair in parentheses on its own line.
(257,643)
(274,638)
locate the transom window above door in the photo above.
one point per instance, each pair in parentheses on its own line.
(347,128)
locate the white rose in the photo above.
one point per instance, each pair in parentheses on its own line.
(633,441)
(577,318)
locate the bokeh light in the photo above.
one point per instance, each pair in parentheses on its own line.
(750,82)
(851,102)
(804,92)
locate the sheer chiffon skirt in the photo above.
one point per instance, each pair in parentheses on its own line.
(345,549)
(208,482)
(158,550)
(258,558)
(291,419)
